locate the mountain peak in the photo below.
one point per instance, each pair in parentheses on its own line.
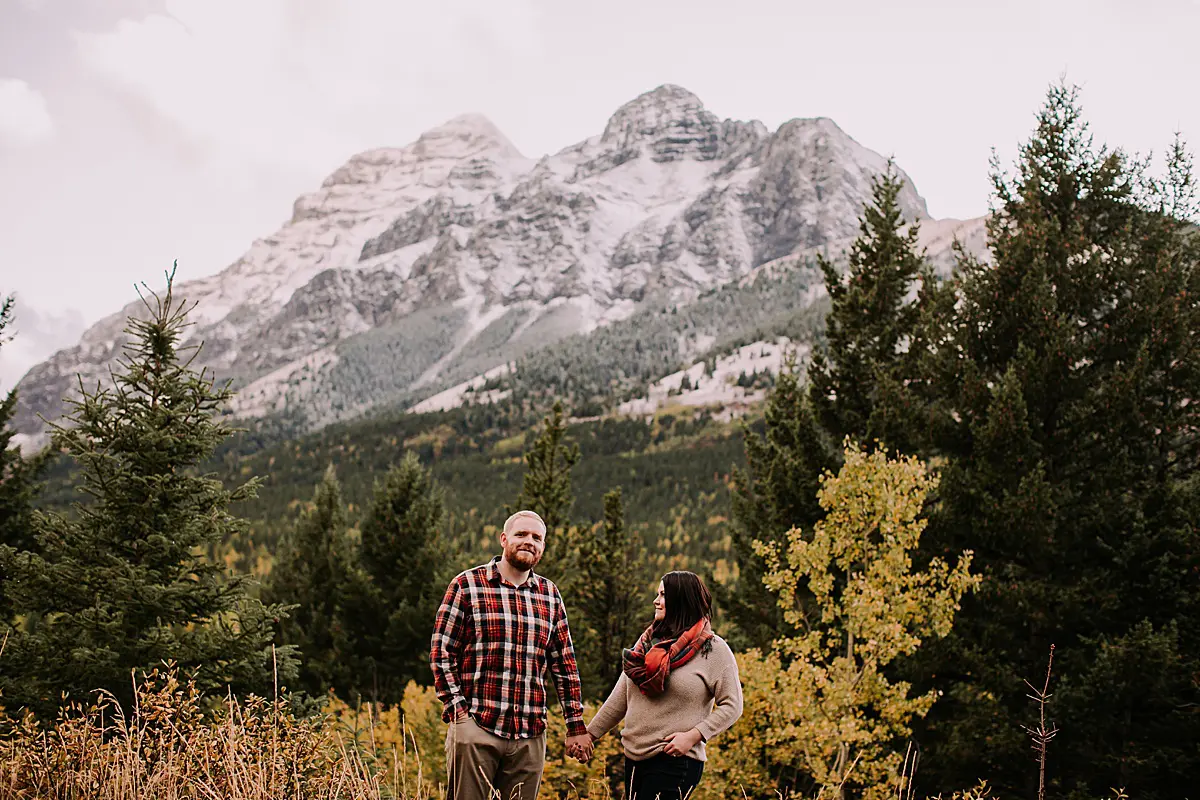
(655,111)
(465,135)
(670,123)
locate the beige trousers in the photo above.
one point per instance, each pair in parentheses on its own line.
(483,766)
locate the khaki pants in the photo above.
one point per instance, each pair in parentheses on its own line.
(483,766)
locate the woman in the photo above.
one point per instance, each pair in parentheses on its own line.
(678,689)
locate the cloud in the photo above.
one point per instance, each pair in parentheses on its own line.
(294,83)
(24,119)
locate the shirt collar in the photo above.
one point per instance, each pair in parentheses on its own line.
(496,579)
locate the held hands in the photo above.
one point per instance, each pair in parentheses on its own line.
(679,744)
(580,747)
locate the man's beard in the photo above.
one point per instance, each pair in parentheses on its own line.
(521,558)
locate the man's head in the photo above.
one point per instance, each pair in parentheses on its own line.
(523,540)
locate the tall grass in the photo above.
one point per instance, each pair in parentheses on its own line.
(176,744)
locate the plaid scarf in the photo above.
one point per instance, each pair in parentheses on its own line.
(649,662)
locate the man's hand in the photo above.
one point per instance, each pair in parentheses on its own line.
(680,744)
(580,747)
(460,715)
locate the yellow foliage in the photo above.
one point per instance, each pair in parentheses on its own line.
(405,743)
(739,760)
(437,437)
(849,591)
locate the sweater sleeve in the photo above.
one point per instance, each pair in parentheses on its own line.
(727,697)
(613,710)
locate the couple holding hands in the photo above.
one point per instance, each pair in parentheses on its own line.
(501,626)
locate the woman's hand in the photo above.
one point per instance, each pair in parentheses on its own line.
(680,744)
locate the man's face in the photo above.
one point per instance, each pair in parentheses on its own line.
(524,544)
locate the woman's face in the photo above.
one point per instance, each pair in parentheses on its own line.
(660,603)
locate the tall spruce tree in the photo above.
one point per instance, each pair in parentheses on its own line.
(776,492)
(611,593)
(120,587)
(403,558)
(546,489)
(314,570)
(859,386)
(1065,375)
(18,478)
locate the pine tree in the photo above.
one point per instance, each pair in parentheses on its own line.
(546,489)
(776,492)
(859,387)
(314,570)
(120,587)
(18,479)
(611,593)
(1064,381)
(403,558)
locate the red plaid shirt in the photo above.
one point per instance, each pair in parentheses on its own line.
(491,644)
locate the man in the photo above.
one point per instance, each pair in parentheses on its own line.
(499,626)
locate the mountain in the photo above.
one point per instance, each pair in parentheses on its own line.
(412,269)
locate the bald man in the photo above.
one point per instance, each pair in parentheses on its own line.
(499,627)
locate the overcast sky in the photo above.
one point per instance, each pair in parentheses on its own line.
(135,132)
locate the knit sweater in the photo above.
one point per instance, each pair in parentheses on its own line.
(705,693)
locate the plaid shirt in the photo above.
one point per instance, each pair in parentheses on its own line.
(491,645)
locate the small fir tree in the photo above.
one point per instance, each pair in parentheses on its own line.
(121,586)
(313,571)
(777,491)
(404,563)
(546,489)
(611,593)
(18,479)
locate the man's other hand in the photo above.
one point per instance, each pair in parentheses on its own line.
(580,747)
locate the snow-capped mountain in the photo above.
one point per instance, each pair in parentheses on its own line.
(414,268)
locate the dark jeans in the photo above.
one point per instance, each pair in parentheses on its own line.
(661,777)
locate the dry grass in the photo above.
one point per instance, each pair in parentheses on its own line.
(174,746)
(177,745)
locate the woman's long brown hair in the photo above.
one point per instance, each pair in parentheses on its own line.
(688,601)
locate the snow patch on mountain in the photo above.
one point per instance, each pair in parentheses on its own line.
(696,386)
(455,396)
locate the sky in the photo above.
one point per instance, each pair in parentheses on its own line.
(134,133)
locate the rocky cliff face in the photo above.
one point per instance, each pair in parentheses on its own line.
(460,232)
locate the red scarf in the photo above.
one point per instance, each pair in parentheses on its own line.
(650,662)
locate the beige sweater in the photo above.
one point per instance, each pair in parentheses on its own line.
(705,693)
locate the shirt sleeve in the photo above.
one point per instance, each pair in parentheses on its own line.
(613,710)
(446,647)
(727,697)
(564,669)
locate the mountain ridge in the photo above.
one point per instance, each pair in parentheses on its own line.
(419,256)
